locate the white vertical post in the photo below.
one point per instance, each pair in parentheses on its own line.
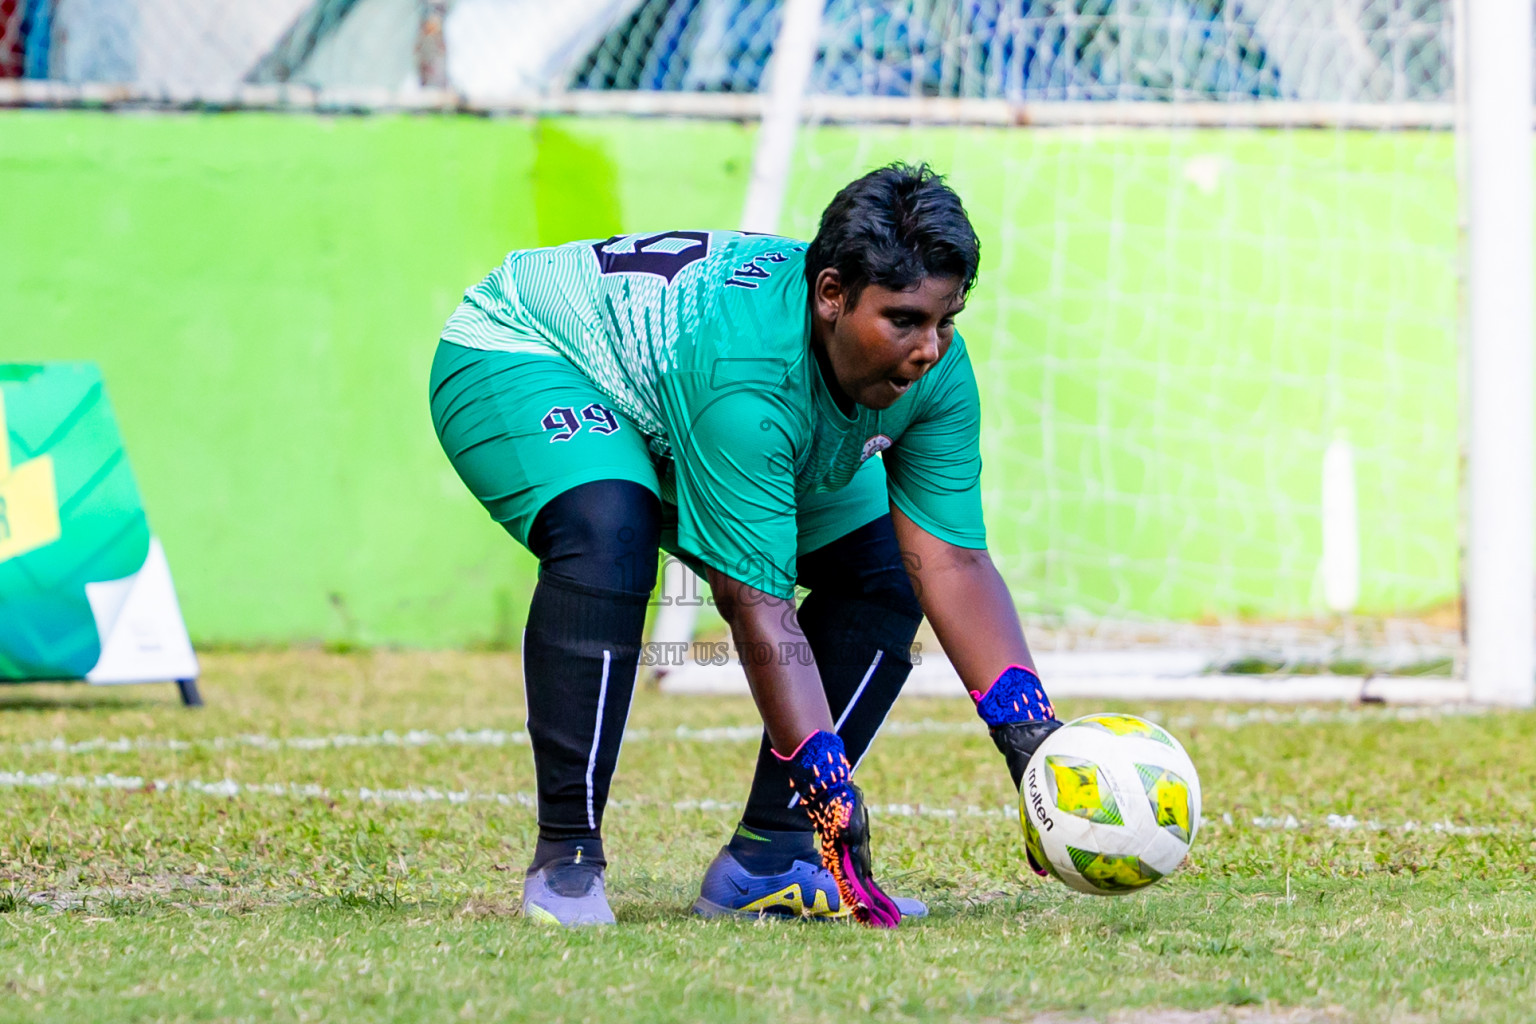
(794,57)
(1501,449)
(1341,529)
(678,615)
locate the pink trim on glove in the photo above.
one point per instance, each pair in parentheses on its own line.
(796,752)
(979,697)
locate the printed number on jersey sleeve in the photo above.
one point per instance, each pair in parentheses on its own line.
(563,421)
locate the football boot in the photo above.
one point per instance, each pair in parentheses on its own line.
(568,894)
(806,890)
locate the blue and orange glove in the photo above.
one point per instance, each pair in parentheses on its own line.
(1019,716)
(820,773)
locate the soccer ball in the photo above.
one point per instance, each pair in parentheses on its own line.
(1109,804)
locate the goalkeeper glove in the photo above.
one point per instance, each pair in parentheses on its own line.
(1019,716)
(819,772)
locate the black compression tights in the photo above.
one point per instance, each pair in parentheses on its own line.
(859,619)
(596,545)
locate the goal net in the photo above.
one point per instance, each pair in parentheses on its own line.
(1218,326)
(1216,331)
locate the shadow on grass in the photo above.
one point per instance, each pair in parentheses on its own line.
(86,702)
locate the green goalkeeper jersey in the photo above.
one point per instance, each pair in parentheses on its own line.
(701,339)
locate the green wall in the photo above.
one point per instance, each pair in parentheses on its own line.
(1171,326)
(263,293)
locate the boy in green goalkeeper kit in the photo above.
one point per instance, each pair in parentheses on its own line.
(774,413)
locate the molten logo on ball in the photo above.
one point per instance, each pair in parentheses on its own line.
(1038,800)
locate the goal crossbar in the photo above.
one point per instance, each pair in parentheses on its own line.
(744,107)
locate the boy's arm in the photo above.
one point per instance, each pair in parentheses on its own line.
(971,611)
(966,602)
(787,690)
(793,704)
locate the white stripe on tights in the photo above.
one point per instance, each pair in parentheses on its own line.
(859,692)
(838,726)
(597,736)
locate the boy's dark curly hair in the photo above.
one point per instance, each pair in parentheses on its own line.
(893,227)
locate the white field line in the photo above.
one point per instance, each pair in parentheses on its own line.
(1349,823)
(1325,716)
(688,734)
(231,789)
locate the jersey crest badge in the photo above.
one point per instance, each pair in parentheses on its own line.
(874,446)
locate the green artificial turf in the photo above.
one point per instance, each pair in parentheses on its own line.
(388,890)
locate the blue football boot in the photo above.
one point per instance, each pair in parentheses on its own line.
(806,889)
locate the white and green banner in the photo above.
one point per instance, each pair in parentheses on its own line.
(85,590)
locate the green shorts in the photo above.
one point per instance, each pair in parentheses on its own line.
(521,428)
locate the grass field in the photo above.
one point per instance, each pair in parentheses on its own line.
(342,837)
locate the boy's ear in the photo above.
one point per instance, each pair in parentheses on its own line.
(828,296)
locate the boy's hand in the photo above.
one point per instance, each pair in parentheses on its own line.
(1018,742)
(819,772)
(842,824)
(1019,716)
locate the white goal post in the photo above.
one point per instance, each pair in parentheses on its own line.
(794,54)
(1501,512)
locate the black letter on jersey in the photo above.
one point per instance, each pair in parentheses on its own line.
(664,255)
(750,269)
(604,421)
(561,418)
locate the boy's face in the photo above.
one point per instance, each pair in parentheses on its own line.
(888,339)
